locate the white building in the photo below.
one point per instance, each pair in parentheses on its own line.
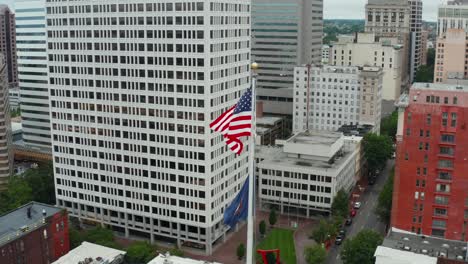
(31,43)
(6,153)
(95,254)
(132,97)
(14,96)
(304,176)
(453,14)
(168,259)
(416,45)
(325,54)
(285,33)
(365,50)
(327,97)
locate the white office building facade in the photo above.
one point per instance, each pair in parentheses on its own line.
(454,14)
(134,87)
(31,42)
(334,96)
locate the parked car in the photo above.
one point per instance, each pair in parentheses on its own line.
(339,239)
(357,205)
(342,233)
(348,221)
(371,180)
(352,213)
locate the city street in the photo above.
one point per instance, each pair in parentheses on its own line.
(365,217)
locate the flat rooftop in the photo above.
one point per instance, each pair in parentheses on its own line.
(98,253)
(315,138)
(165,259)
(440,87)
(425,245)
(268,120)
(14,221)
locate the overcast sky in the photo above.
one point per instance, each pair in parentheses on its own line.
(347,8)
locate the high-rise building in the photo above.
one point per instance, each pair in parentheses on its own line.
(416,48)
(33,72)
(452,15)
(285,33)
(430,196)
(6,156)
(364,50)
(335,96)
(8,43)
(450,60)
(391,19)
(424,43)
(134,86)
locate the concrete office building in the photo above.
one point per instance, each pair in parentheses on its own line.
(6,154)
(416,44)
(453,14)
(285,33)
(334,96)
(391,19)
(424,44)
(450,60)
(325,54)
(8,43)
(364,50)
(33,73)
(430,196)
(304,175)
(131,139)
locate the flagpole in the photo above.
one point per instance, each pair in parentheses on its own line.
(251,207)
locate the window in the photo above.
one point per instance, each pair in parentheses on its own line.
(442,188)
(444,175)
(453,123)
(447,151)
(444,119)
(408,131)
(455,100)
(445,164)
(428,119)
(442,200)
(448,138)
(439,223)
(440,212)
(438,232)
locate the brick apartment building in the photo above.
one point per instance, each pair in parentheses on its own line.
(33,233)
(431,181)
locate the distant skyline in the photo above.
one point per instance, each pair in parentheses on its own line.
(349,9)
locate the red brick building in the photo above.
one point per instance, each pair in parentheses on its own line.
(33,233)
(431,175)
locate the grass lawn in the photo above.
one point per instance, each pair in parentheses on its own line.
(284,240)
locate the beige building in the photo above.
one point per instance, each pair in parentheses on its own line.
(367,50)
(451,52)
(424,40)
(6,157)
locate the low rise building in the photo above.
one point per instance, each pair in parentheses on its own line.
(34,233)
(168,259)
(89,253)
(327,97)
(270,128)
(402,247)
(305,174)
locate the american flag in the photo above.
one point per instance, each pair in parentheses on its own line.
(236,122)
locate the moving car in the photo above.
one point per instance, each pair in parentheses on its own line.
(352,213)
(339,239)
(357,205)
(349,221)
(372,181)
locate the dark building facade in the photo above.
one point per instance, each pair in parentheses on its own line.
(8,43)
(34,233)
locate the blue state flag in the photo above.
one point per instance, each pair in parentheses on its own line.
(239,207)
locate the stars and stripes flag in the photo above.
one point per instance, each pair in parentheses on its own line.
(236,122)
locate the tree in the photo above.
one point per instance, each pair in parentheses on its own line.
(425,73)
(262,227)
(389,125)
(76,238)
(240,251)
(377,149)
(315,254)
(41,180)
(340,204)
(140,252)
(273,217)
(176,252)
(384,202)
(430,57)
(101,236)
(324,231)
(18,192)
(361,248)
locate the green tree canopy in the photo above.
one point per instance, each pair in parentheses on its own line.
(18,192)
(340,205)
(389,125)
(315,254)
(324,230)
(384,202)
(262,227)
(377,149)
(140,252)
(425,73)
(361,248)
(273,217)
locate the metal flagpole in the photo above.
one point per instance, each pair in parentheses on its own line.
(251,208)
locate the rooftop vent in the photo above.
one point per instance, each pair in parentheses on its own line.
(44,212)
(424,251)
(29,212)
(407,248)
(406,239)
(442,254)
(445,246)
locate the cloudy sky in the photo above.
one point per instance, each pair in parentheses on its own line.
(348,8)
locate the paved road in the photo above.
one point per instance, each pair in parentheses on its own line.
(365,218)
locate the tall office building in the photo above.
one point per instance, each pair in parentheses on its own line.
(454,14)
(430,196)
(391,19)
(335,96)
(6,157)
(416,8)
(33,72)
(285,34)
(451,65)
(134,86)
(8,43)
